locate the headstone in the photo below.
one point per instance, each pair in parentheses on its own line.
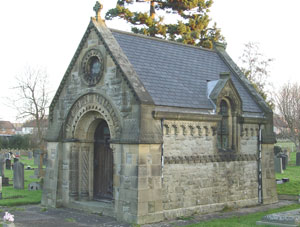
(8,164)
(29,154)
(33,186)
(5,181)
(2,161)
(278,165)
(288,218)
(18,175)
(36,156)
(298,159)
(284,161)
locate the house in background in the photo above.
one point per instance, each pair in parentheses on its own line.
(7,128)
(280,126)
(30,127)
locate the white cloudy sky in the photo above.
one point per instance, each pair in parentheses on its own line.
(45,34)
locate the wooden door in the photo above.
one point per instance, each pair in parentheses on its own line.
(103,163)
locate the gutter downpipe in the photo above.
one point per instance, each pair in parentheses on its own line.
(162,149)
(260,191)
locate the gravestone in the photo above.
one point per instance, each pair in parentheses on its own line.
(33,186)
(298,159)
(2,161)
(18,175)
(288,218)
(29,154)
(284,159)
(278,165)
(8,164)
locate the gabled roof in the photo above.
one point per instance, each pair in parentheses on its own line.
(175,74)
(4,125)
(32,124)
(167,73)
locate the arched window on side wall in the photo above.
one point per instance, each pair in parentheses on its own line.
(223,132)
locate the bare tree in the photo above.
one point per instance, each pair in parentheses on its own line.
(255,66)
(32,98)
(288,104)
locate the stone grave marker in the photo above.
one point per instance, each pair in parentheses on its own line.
(8,164)
(298,159)
(288,218)
(18,175)
(2,161)
(33,186)
(30,154)
(278,165)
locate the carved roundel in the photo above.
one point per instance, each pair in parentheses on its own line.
(92,67)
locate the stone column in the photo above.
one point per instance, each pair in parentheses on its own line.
(74,176)
(84,181)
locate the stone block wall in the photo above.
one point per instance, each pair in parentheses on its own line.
(268,174)
(207,187)
(197,178)
(137,182)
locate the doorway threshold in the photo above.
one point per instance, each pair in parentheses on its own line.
(104,207)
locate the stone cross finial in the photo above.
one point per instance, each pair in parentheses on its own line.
(97,8)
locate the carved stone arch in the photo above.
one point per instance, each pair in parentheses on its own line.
(88,108)
(231,96)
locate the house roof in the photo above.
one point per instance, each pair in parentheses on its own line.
(32,123)
(6,125)
(175,74)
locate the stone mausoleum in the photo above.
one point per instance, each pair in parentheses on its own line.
(145,129)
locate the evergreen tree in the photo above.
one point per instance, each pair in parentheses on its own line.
(192,26)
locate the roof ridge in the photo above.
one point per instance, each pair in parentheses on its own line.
(161,40)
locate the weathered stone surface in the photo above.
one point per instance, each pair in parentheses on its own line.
(18,175)
(298,159)
(8,164)
(288,218)
(33,186)
(278,165)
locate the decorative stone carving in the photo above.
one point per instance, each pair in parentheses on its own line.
(209,158)
(84,184)
(93,102)
(189,128)
(74,172)
(92,67)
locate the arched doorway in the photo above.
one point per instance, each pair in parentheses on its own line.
(103,163)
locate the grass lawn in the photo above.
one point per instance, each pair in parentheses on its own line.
(243,221)
(12,197)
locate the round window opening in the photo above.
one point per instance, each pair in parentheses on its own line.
(92,65)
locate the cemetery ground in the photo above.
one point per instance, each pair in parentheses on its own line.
(292,172)
(13,197)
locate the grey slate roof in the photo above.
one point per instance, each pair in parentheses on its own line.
(175,74)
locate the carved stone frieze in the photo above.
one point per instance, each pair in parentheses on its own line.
(209,158)
(190,128)
(93,102)
(249,131)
